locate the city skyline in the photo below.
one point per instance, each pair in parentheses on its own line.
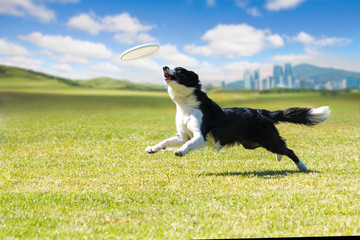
(283,77)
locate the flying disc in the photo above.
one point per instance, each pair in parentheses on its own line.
(139,51)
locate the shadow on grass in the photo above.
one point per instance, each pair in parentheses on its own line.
(260,174)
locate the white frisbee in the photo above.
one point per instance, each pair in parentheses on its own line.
(139,51)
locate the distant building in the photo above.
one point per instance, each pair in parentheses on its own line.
(257,79)
(351,82)
(270,82)
(306,83)
(278,75)
(223,84)
(249,82)
(265,84)
(288,76)
(301,83)
(283,77)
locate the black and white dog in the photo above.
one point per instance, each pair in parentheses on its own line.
(201,122)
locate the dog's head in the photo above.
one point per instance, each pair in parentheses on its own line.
(181,76)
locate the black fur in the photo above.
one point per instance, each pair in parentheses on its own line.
(250,127)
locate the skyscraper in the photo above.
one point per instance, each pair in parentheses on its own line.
(256,79)
(270,82)
(288,76)
(248,79)
(352,82)
(278,75)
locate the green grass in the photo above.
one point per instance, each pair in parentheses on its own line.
(73,165)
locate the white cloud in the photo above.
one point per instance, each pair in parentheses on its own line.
(106,68)
(244,4)
(69,46)
(143,66)
(311,47)
(295,58)
(304,38)
(333,41)
(253,11)
(172,57)
(69,59)
(233,71)
(277,5)
(63,68)
(123,23)
(132,37)
(11,49)
(141,70)
(33,8)
(312,44)
(236,41)
(86,23)
(128,29)
(23,62)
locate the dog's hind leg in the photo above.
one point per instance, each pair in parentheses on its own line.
(290,153)
(279,148)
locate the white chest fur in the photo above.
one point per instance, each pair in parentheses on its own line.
(188,121)
(188,115)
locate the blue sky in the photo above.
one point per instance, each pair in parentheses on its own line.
(218,39)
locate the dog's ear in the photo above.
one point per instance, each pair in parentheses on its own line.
(193,75)
(179,69)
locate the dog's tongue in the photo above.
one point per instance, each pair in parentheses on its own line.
(166,75)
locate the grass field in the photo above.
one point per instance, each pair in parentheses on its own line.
(73,165)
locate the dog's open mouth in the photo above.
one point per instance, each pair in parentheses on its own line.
(169,74)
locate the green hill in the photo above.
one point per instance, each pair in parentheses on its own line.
(14,78)
(110,83)
(322,75)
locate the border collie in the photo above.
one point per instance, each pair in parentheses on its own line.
(201,122)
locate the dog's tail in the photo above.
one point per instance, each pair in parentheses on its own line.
(305,116)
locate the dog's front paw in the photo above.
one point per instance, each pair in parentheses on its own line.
(179,153)
(150,150)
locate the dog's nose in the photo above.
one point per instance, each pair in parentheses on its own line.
(168,71)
